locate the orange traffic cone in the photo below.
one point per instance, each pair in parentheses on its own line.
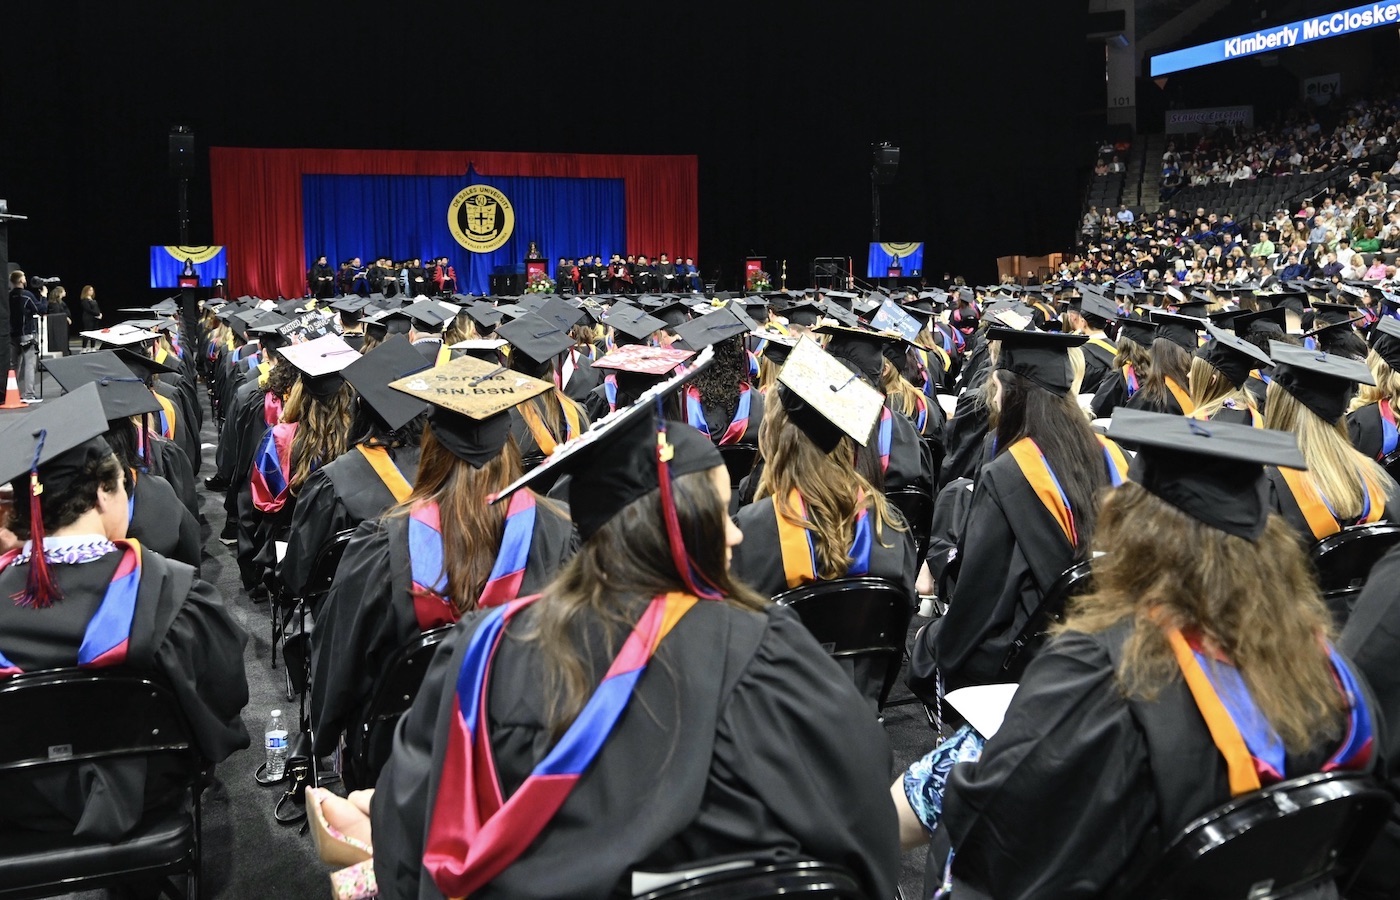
(12,400)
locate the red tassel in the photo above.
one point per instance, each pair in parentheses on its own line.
(40,591)
(674,539)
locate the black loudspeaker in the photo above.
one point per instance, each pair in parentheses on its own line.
(886,163)
(181,154)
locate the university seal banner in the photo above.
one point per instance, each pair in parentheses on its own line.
(481,218)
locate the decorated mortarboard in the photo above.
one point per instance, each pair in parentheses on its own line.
(122,393)
(120,335)
(1232,355)
(825,399)
(320,363)
(1387,341)
(488,349)
(641,359)
(535,338)
(711,328)
(1322,382)
(1040,356)
(891,317)
(1179,329)
(1211,471)
(470,400)
(372,373)
(53,444)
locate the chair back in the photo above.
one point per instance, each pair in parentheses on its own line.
(738,459)
(1391,463)
(917,508)
(107,715)
(1073,582)
(1344,560)
(318,580)
(862,617)
(1276,842)
(392,696)
(744,880)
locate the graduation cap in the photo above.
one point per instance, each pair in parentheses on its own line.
(825,399)
(741,313)
(371,374)
(1266,321)
(486,316)
(1092,303)
(1334,313)
(804,313)
(141,365)
(1232,355)
(777,346)
(641,359)
(632,324)
(891,317)
(1211,471)
(674,314)
(861,349)
(711,328)
(1322,382)
(488,349)
(54,444)
(120,335)
(1387,344)
(352,304)
(1139,331)
(1180,330)
(320,363)
(535,339)
(1041,356)
(470,400)
(561,313)
(122,393)
(425,315)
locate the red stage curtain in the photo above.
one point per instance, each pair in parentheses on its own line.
(257,199)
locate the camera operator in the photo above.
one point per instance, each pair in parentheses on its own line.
(24,334)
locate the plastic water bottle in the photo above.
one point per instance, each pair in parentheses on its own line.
(275,740)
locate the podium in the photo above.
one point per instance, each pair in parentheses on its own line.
(189,281)
(536,265)
(752,266)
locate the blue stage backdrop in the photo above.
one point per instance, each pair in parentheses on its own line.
(168,265)
(911,259)
(402,216)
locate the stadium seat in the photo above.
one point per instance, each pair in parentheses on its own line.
(1278,842)
(917,508)
(1073,582)
(111,717)
(744,880)
(1344,561)
(738,460)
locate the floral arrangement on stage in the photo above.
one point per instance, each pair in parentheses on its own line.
(540,283)
(760,280)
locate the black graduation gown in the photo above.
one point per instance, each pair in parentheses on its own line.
(1372,639)
(338,496)
(910,465)
(1011,552)
(1112,393)
(525,439)
(160,522)
(1167,405)
(744,739)
(966,439)
(1081,789)
(1098,362)
(719,415)
(582,380)
(1364,427)
(169,462)
(186,429)
(181,631)
(368,614)
(1281,501)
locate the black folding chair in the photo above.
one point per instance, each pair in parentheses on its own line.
(758,881)
(107,718)
(369,743)
(1073,582)
(1344,560)
(738,459)
(1391,464)
(856,618)
(1278,842)
(917,508)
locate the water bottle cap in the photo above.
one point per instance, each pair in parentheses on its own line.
(277,712)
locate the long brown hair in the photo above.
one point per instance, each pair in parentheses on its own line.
(1335,467)
(1059,429)
(323,430)
(1258,602)
(616,571)
(833,491)
(471,526)
(1131,353)
(1169,360)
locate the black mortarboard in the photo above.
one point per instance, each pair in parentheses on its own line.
(1335,313)
(535,338)
(1180,330)
(486,316)
(1041,356)
(674,314)
(632,324)
(615,462)
(1322,382)
(425,315)
(470,401)
(1266,321)
(370,376)
(122,392)
(777,346)
(804,313)
(351,304)
(1139,331)
(1387,345)
(1234,356)
(864,350)
(142,366)
(1212,471)
(1092,303)
(711,328)
(320,363)
(561,313)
